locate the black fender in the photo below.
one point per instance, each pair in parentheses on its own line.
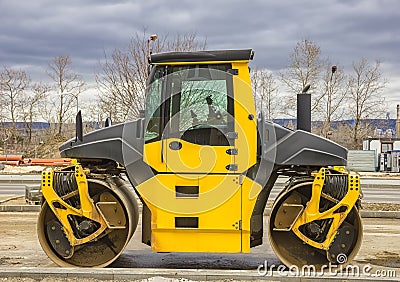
(122,143)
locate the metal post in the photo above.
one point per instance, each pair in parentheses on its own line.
(330,89)
(153,38)
(398,122)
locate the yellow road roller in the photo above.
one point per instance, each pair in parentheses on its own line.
(201,162)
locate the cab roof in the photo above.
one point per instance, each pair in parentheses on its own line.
(202,56)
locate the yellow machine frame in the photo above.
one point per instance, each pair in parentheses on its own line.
(311,212)
(88,209)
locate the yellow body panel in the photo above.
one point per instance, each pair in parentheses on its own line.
(191,158)
(217,208)
(153,157)
(223,208)
(197,158)
(193,240)
(245,118)
(214,191)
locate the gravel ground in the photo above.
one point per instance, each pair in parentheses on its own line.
(153,279)
(52,279)
(19,248)
(380,206)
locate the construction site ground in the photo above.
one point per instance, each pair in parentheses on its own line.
(22,256)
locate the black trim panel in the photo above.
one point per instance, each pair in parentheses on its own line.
(202,56)
(187,191)
(186,222)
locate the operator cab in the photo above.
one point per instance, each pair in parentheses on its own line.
(197,106)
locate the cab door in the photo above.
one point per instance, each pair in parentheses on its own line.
(194,121)
(199,131)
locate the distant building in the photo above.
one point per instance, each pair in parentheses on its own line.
(381,145)
(386,152)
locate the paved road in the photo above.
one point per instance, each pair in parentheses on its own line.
(20,178)
(15,184)
(376,190)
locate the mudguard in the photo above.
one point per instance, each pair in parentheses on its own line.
(122,143)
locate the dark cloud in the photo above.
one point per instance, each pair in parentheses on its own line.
(33,32)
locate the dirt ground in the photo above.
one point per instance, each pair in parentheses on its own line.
(19,247)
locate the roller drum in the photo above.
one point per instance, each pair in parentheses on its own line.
(108,246)
(292,250)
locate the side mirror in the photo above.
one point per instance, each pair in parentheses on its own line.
(79,127)
(108,122)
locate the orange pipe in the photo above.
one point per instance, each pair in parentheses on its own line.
(11,157)
(49,161)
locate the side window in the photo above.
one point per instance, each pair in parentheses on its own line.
(193,103)
(203,103)
(201,106)
(153,107)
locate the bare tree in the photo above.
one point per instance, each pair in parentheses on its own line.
(13,84)
(123,76)
(121,87)
(183,42)
(365,97)
(305,67)
(68,85)
(48,112)
(265,91)
(30,108)
(91,114)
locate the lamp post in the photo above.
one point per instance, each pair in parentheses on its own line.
(329,112)
(153,38)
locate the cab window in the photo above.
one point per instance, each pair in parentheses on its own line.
(201,106)
(190,102)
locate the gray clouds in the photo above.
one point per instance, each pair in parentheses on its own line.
(33,32)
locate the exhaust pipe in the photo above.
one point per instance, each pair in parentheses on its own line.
(304,110)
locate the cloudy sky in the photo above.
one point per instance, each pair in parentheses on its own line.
(33,32)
